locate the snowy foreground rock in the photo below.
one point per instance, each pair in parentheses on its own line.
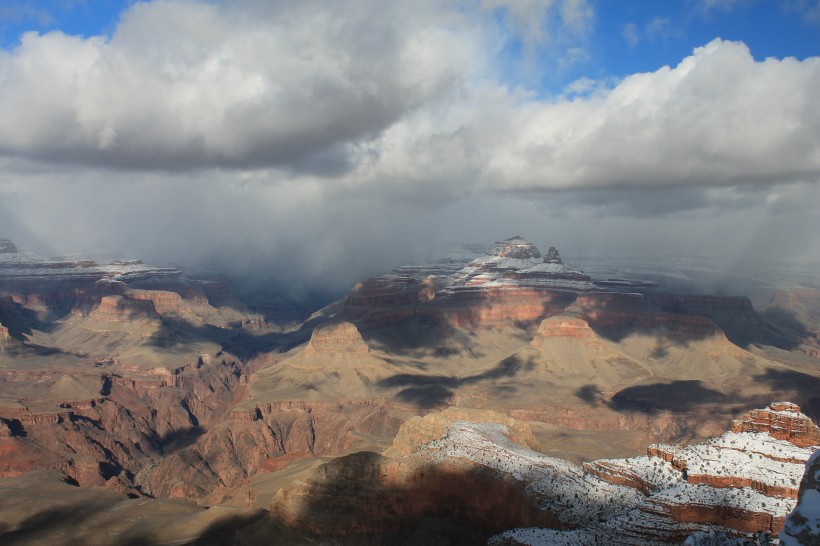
(803,524)
(471,467)
(742,483)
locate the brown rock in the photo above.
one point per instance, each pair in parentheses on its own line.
(782,420)
(165,302)
(123,309)
(340,337)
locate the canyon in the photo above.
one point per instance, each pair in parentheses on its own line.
(422,397)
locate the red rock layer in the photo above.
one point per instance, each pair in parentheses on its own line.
(745,521)
(782,421)
(138,417)
(618,475)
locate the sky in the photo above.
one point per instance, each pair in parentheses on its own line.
(316,143)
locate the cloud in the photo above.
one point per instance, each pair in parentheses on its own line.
(708,7)
(631,34)
(317,140)
(718,118)
(183,84)
(808,10)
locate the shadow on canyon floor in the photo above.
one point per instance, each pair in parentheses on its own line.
(674,396)
(177,440)
(692,395)
(426,391)
(800,388)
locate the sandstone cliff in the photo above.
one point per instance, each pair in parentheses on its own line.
(336,338)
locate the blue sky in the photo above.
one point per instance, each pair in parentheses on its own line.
(622,36)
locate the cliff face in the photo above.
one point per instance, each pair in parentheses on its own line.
(802,526)
(135,417)
(164,301)
(122,309)
(337,337)
(512,284)
(783,421)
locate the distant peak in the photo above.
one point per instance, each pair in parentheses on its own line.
(8,247)
(553,257)
(514,247)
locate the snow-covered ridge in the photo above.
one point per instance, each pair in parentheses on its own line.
(739,483)
(19,266)
(516,262)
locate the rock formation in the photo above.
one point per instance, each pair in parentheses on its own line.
(514,247)
(8,247)
(740,483)
(122,309)
(552,256)
(781,420)
(342,337)
(803,523)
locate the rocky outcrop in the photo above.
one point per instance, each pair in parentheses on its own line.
(781,420)
(802,526)
(563,326)
(422,430)
(165,302)
(742,482)
(514,247)
(123,309)
(340,337)
(8,247)
(480,468)
(552,256)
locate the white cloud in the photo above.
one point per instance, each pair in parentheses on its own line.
(183,84)
(719,118)
(808,10)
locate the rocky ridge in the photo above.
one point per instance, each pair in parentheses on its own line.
(739,483)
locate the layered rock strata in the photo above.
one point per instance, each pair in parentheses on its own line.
(739,483)
(335,338)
